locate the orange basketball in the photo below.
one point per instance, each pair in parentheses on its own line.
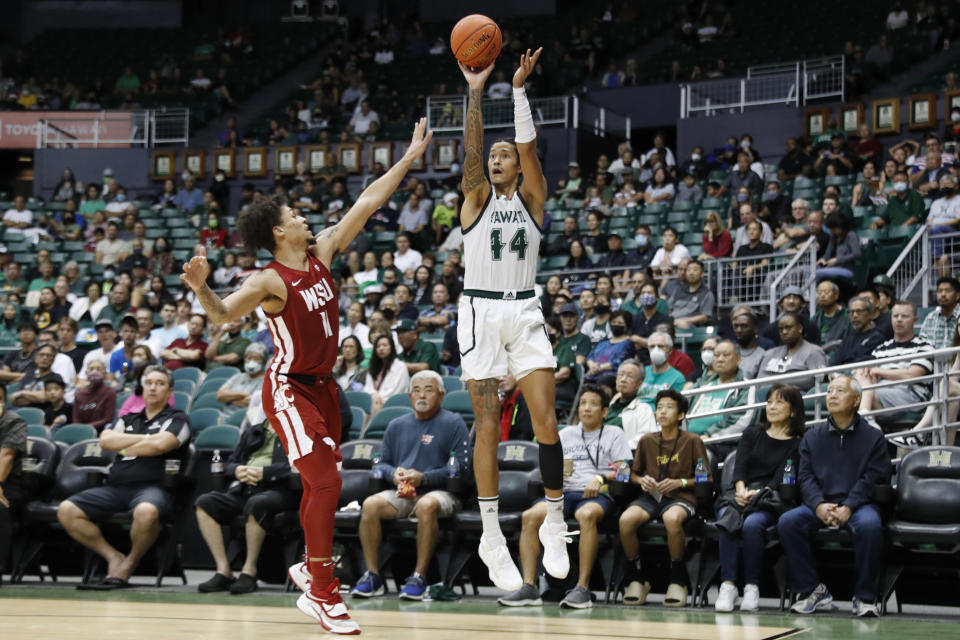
(476,40)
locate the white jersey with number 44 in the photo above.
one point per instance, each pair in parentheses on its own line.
(501,247)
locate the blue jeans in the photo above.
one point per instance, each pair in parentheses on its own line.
(752,540)
(826,273)
(940,229)
(795,527)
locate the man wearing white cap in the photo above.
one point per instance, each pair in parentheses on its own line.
(444,215)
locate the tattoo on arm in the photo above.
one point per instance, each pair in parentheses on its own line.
(473,143)
(212,303)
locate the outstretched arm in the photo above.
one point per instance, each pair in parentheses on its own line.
(338,237)
(238,304)
(534,187)
(474,184)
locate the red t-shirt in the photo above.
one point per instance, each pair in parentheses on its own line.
(217,238)
(681,362)
(183,344)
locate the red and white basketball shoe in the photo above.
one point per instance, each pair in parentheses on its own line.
(329,610)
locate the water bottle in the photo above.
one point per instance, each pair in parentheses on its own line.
(453,467)
(700,473)
(376,472)
(623,471)
(789,475)
(216,463)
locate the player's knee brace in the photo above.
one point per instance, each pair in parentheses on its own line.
(551,465)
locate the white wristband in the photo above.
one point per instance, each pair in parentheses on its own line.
(522,118)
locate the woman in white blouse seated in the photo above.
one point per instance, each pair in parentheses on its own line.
(660,188)
(388,374)
(354,326)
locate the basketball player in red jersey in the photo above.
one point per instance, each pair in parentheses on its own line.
(300,398)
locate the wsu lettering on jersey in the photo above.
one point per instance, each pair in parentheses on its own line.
(317,295)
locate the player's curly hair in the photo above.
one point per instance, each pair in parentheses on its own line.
(256,224)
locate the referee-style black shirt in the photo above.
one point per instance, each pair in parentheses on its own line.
(148,470)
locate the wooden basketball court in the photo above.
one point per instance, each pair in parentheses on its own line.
(35,619)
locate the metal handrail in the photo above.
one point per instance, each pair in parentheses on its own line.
(921,273)
(807,246)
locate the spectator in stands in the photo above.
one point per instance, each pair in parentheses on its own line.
(753,264)
(13,280)
(795,354)
(628,196)
(164,335)
(624,164)
(580,261)
(939,325)
(792,299)
(742,176)
(881,317)
(593,240)
(904,342)
(944,215)
(414,217)
(349,370)
(794,163)
(831,318)
(692,305)
(867,148)
(748,215)
(338,201)
(660,189)
(515,421)
(418,354)
(161,262)
(67,332)
(774,207)
(573,186)
(362,119)
(595,315)
(905,207)
(18,361)
(228,346)
(18,216)
(838,156)
(111,250)
(48,313)
(726,364)
(56,412)
(670,253)
(661,150)
(189,351)
(144,319)
(13,446)
(444,216)
(406,258)
(143,441)
(753,506)
(241,388)
(259,471)
(441,314)
(577,342)
(898,17)
(106,337)
(420,475)
(660,374)
(688,190)
(95,403)
(796,232)
(751,353)
(717,242)
(815,229)
(677,502)
(62,364)
(927,182)
(31,392)
(604,359)
(561,244)
(355,326)
(628,409)
(842,252)
(189,198)
(836,483)
(45,276)
(388,374)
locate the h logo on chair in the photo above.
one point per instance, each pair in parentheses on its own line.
(940,458)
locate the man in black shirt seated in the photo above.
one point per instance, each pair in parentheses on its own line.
(260,468)
(142,441)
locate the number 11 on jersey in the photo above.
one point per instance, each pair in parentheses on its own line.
(518,244)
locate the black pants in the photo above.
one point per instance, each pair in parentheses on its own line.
(6,532)
(224,506)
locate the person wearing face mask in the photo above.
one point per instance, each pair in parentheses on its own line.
(775,208)
(597,326)
(944,216)
(605,358)
(706,361)
(726,363)
(228,345)
(659,375)
(214,236)
(904,207)
(161,262)
(646,319)
(645,251)
(695,165)
(96,403)
(240,388)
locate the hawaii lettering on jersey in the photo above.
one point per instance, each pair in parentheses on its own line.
(317,295)
(507,217)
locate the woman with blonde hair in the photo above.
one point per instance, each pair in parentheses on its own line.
(717,242)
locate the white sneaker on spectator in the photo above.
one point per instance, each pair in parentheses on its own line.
(727,597)
(503,571)
(751,598)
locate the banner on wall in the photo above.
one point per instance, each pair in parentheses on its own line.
(71,129)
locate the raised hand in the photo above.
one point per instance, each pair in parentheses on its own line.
(197,270)
(527,63)
(420,141)
(476,79)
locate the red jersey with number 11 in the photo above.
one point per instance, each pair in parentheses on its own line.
(305,333)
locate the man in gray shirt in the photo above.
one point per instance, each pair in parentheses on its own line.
(751,353)
(693,304)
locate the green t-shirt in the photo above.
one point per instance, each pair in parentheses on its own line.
(613,414)
(899,211)
(39,283)
(444,215)
(632,306)
(92,206)
(654,382)
(128,83)
(263,457)
(566,358)
(703,403)
(423,351)
(237,345)
(578,343)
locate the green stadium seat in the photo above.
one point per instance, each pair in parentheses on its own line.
(398,400)
(207,400)
(380,420)
(73,433)
(360,399)
(200,419)
(31,415)
(218,436)
(459,402)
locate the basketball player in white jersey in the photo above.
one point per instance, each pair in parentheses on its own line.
(500,326)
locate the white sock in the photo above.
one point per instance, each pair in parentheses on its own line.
(490,518)
(555,509)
